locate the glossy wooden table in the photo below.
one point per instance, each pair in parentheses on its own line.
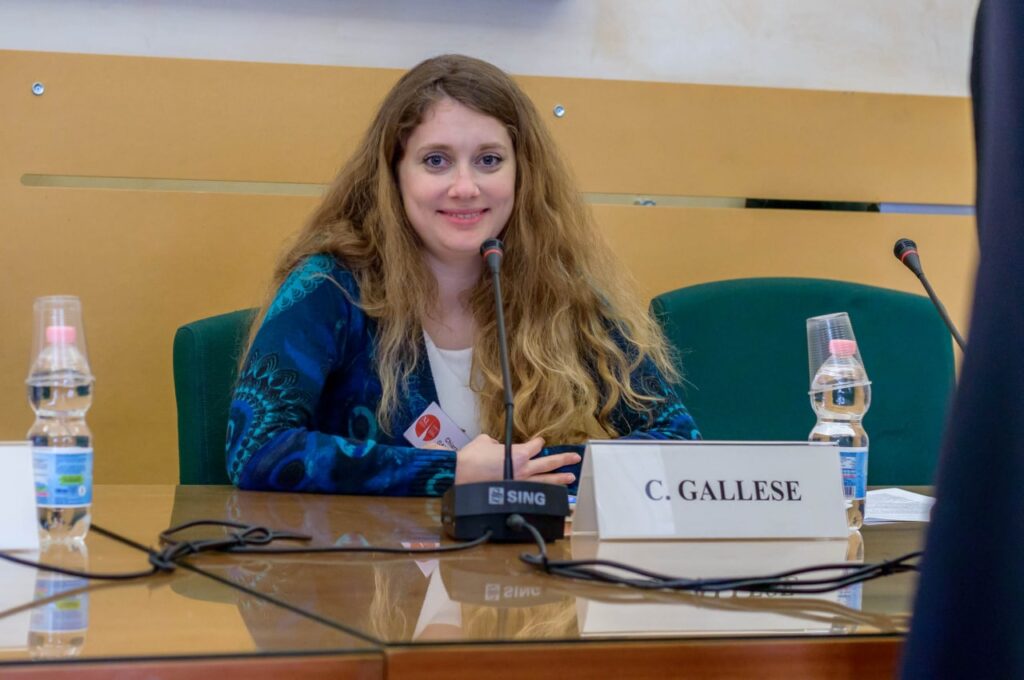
(183,624)
(467,614)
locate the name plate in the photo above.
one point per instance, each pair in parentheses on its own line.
(695,490)
(18,530)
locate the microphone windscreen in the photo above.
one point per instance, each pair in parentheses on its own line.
(905,251)
(492,246)
(902,246)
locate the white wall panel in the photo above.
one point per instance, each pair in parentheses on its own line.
(909,46)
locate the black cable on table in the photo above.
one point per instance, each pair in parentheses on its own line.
(241,540)
(255,539)
(784,582)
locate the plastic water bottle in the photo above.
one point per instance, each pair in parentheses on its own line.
(60,391)
(57,628)
(841,395)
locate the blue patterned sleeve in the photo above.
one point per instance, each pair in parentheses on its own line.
(314,333)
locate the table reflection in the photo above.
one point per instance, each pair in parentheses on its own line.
(15,595)
(43,612)
(488,594)
(60,619)
(661,613)
(49,616)
(429,597)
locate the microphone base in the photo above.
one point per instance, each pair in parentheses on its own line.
(468,511)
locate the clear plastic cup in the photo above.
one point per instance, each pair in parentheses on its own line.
(58,339)
(822,331)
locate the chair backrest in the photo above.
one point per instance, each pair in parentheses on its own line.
(206,357)
(742,345)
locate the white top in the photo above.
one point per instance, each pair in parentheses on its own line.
(451,370)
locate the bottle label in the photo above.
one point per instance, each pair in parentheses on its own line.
(63,476)
(854,464)
(63,614)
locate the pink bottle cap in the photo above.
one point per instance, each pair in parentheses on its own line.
(839,347)
(61,335)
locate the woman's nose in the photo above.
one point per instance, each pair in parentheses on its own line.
(463,184)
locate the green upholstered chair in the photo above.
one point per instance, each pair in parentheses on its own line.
(742,345)
(206,357)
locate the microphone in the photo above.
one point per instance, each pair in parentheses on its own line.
(493,250)
(468,511)
(905,251)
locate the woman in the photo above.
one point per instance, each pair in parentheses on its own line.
(382,306)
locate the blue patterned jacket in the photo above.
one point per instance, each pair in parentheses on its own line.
(303,413)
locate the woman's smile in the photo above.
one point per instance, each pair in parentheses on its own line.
(463,217)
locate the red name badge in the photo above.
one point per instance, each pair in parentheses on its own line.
(435,427)
(428,426)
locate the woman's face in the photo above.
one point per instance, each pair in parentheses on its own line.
(457,179)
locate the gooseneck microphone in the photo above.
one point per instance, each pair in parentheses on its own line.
(493,250)
(905,251)
(469,511)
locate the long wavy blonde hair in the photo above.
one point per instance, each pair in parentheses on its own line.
(576,326)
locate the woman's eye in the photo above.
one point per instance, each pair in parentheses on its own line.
(490,160)
(435,161)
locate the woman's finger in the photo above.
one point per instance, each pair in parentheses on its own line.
(538,466)
(560,478)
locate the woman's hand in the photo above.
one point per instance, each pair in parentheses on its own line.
(483,460)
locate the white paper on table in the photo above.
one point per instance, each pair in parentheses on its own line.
(897,505)
(18,523)
(19,584)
